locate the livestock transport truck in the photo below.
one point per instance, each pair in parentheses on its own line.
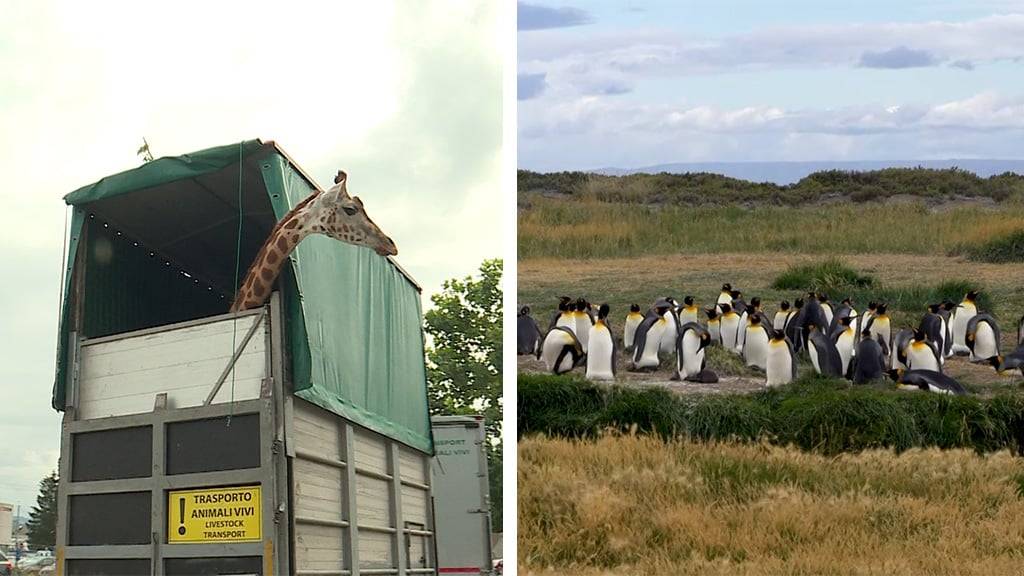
(289,439)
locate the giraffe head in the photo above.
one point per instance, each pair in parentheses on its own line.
(342,217)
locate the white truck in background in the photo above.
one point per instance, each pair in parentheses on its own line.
(461,491)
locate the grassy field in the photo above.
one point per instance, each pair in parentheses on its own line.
(626,504)
(560,228)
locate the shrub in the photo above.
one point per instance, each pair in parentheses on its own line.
(998,250)
(826,276)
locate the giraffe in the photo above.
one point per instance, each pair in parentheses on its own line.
(333,213)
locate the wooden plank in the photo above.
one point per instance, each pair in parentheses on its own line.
(317,431)
(374,501)
(317,490)
(413,465)
(414,505)
(371,453)
(318,547)
(375,550)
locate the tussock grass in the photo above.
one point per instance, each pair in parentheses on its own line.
(830,276)
(633,504)
(1005,248)
(815,414)
(559,228)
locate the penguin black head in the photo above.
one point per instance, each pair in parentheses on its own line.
(563,303)
(688,300)
(881,309)
(784,305)
(602,312)
(995,361)
(949,305)
(918,335)
(971,296)
(798,303)
(895,374)
(811,295)
(524,310)
(705,340)
(754,320)
(634,308)
(725,308)
(872,306)
(735,294)
(934,308)
(777,335)
(581,305)
(865,334)
(846,320)
(726,287)
(848,301)
(822,297)
(712,313)
(755,302)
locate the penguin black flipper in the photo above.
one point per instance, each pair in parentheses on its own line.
(972,325)
(1020,331)
(925,379)
(640,337)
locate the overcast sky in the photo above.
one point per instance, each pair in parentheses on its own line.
(629,84)
(406,98)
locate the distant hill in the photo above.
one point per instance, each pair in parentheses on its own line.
(790,172)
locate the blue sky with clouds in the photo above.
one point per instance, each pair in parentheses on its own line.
(630,84)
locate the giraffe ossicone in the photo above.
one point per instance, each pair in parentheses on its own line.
(332,213)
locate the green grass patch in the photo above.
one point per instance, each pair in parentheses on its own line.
(815,414)
(998,250)
(829,276)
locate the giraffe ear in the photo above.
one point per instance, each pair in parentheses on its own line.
(341,177)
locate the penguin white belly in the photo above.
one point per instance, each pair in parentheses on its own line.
(600,355)
(844,344)
(945,340)
(668,339)
(741,333)
(828,314)
(779,365)
(984,343)
(730,325)
(693,357)
(554,343)
(582,329)
(779,322)
(961,315)
(715,329)
(812,350)
(724,298)
(629,332)
(920,357)
(566,321)
(755,348)
(649,356)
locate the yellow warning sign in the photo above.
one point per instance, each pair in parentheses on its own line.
(215,515)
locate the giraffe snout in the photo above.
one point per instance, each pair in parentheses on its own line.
(386,247)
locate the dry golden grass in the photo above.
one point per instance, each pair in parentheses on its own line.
(637,505)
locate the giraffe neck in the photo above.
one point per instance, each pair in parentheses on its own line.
(259,280)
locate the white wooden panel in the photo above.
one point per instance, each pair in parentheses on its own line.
(414,505)
(318,547)
(375,550)
(413,465)
(373,497)
(317,431)
(124,376)
(370,452)
(317,490)
(419,551)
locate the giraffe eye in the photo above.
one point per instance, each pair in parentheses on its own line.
(350,210)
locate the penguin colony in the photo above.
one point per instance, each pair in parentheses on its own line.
(838,340)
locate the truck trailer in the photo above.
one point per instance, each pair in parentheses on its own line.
(289,439)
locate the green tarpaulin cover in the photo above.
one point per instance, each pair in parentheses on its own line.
(354,319)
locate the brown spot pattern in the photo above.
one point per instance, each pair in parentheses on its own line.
(291,224)
(282,244)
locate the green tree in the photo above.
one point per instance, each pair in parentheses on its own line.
(42,519)
(464,360)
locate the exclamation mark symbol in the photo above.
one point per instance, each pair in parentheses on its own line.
(181,515)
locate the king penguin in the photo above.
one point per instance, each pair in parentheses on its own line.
(1010,362)
(561,351)
(668,339)
(780,365)
(690,358)
(793,328)
(779,322)
(755,347)
(900,344)
(982,337)
(934,328)
(633,319)
(730,325)
(1020,331)
(826,307)
(714,325)
(963,313)
(880,325)
(824,355)
(725,296)
(646,342)
(946,311)
(870,363)
(922,354)
(844,337)
(564,315)
(689,312)
(527,333)
(927,380)
(583,322)
(601,354)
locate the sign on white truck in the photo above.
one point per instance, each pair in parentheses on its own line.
(462,507)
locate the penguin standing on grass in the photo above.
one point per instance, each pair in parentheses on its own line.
(583,322)
(824,355)
(527,333)
(900,344)
(826,307)
(779,322)
(668,339)
(714,325)
(934,328)
(755,347)
(690,357)
(844,338)
(564,315)
(730,325)
(793,329)
(561,351)
(870,363)
(922,354)
(880,325)
(982,337)
(633,319)
(780,364)
(963,313)
(601,353)
(725,296)
(689,312)
(647,341)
